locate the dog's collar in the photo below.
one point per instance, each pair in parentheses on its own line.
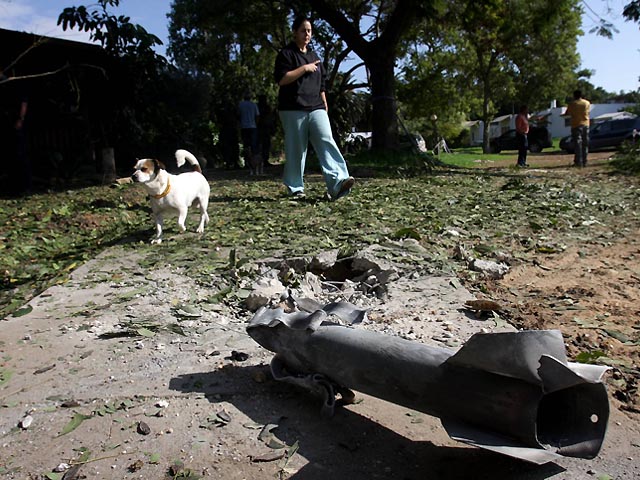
(165,193)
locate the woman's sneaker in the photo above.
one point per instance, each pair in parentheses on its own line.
(346,185)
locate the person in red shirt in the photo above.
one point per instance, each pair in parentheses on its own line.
(522,130)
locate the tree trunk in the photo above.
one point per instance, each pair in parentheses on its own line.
(486,133)
(384,122)
(379,55)
(108,165)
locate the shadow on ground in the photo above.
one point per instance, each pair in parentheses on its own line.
(349,445)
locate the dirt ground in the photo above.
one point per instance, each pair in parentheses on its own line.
(583,283)
(202,403)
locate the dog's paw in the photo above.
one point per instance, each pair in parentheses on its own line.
(200,230)
(156,241)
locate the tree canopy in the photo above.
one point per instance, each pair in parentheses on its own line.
(461,58)
(476,55)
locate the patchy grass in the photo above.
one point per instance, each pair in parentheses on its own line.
(472,157)
(44,237)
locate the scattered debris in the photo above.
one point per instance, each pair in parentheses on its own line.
(178,470)
(143,428)
(62,467)
(45,369)
(490,269)
(267,436)
(239,356)
(483,305)
(269,456)
(26,422)
(135,466)
(222,418)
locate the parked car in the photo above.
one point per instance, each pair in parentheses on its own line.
(607,134)
(356,142)
(539,138)
(412,141)
(359,141)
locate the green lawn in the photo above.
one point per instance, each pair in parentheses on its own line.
(470,157)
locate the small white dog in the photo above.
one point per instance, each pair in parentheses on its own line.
(174,192)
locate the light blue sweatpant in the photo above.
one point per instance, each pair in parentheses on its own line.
(300,127)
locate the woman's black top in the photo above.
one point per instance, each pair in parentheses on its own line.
(304,93)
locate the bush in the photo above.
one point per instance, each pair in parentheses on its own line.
(628,158)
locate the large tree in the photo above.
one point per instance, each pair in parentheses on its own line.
(514,45)
(374,30)
(547,62)
(486,58)
(134,114)
(434,83)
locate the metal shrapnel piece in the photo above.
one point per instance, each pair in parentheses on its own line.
(513,393)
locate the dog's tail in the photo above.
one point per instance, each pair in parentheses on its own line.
(182,155)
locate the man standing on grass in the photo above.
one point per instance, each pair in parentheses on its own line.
(579,110)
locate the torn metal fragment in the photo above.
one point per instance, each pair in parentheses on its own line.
(513,393)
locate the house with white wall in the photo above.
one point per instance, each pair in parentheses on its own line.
(475,128)
(497,127)
(502,124)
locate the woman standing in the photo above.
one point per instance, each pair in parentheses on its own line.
(522,132)
(302,104)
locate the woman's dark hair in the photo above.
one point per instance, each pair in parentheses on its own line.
(299,20)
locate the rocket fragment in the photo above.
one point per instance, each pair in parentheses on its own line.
(513,393)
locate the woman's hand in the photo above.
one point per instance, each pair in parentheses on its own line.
(311,67)
(293,75)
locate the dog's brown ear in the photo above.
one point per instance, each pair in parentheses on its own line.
(159,165)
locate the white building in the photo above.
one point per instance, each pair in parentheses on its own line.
(497,127)
(475,128)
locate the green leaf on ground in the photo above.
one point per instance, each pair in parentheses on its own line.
(589,357)
(5,376)
(75,422)
(23,311)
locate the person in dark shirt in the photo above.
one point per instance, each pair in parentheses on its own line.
(249,115)
(302,106)
(14,106)
(266,127)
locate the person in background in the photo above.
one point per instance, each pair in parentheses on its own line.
(266,127)
(522,132)
(249,114)
(14,108)
(302,104)
(228,140)
(578,111)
